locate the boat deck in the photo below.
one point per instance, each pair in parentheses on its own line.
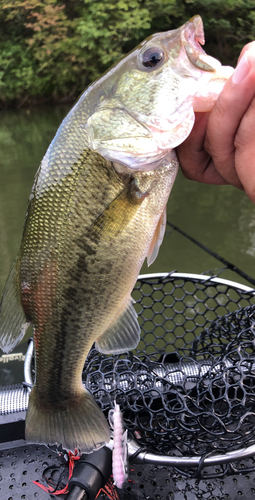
(22,464)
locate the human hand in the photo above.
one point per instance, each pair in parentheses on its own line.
(221,146)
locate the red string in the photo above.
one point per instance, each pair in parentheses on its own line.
(110,490)
(49,489)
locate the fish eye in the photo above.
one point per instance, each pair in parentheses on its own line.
(152,57)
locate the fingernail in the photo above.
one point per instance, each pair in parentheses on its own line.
(241,70)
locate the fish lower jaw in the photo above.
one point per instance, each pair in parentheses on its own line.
(145,164)
(205,99)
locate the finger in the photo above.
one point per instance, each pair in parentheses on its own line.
(245,151)
(227,114)
(196,163)
(247,47)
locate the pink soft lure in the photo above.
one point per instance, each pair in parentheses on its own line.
(120,449)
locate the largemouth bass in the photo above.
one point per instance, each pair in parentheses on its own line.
(96,211)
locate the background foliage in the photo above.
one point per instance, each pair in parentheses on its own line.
(52,49)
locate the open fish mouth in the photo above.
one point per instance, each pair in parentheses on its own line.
(192,37)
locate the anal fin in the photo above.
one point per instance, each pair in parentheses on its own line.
(123,335)
(13,321)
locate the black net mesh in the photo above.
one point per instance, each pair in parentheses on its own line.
(189,388)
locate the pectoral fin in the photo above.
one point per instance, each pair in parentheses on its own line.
(13,321)
(116,217)
(157,238)
(123,335)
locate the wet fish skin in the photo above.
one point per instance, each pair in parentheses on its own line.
(82,286)
(95,212)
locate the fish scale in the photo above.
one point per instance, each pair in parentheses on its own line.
(83,271)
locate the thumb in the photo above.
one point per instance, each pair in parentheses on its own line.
(196,163)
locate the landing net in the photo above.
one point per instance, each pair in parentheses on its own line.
(189,388)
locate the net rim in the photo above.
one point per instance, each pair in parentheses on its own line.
(148,457)
(198,277)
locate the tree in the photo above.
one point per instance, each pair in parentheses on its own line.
(52,50)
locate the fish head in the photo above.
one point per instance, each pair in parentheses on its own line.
(149,109)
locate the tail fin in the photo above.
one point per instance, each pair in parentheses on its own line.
(81,425)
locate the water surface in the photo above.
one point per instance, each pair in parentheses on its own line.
(222,218)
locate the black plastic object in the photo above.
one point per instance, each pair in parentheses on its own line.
(78,493)
(90,474)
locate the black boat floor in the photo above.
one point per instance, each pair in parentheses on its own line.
(23,464)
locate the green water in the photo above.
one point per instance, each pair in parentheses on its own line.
(222,218)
